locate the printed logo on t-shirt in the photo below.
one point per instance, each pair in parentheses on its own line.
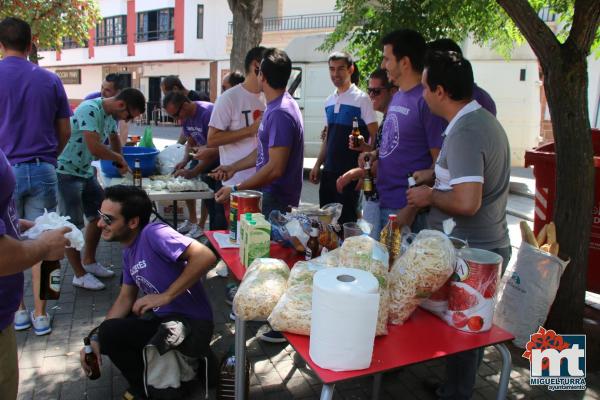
(390,136)
(246,114)
(147,287)
(136,268)
(13,218)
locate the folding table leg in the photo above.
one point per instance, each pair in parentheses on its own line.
(327,392)
(174,214)
(240,358)
(505,373)
(376,386)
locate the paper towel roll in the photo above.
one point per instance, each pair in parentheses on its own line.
(344,317)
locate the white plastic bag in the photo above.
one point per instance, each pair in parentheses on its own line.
(527,292)
(420,271)
(293,310)
(51,220)
(363,252)
(169,157)
(264,283)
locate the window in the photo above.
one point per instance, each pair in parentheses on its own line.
(155,25)
(112,30)
(203,85)
(200,27)
(73,44)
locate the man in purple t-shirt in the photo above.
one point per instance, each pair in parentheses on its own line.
(23,254)
(34,128)
(167,267)
(280,150)
(412,136)
(194,116)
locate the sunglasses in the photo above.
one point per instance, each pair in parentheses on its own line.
(375,91)
(107,219)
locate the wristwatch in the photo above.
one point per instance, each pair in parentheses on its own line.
(234,188)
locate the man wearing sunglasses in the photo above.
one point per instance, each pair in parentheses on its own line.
(167,268)
(194,117)
(79,192)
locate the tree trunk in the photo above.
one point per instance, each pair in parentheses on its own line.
(33,54)
(247,29)
(565,84)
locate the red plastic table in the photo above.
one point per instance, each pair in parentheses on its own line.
(422,338)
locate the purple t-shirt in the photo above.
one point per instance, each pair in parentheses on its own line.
(197,126)
(31,100)
(484,99)
(11,287)
(93,95)
(409,131)
(152,264)
(282,126)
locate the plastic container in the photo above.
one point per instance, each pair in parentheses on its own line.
(146,155)
(543,159)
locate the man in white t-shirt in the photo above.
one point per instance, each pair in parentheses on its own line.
(236,117)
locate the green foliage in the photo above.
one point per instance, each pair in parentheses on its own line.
(53,20)
(363,23)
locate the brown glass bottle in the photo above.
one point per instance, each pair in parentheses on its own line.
(312,246)
(368,179)
(137,174)
(91,360)
(50,280)
(356,136)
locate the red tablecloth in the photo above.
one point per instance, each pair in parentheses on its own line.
(423,337)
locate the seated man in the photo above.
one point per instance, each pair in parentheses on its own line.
(167,267)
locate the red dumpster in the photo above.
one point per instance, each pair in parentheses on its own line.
(543,159)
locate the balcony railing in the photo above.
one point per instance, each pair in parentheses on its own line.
(297,22)
(72,44)
(110,40)
(150,36)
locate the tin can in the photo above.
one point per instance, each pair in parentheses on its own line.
(241,202)
(472,293)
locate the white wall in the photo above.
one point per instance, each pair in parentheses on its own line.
(149,5)
(110,8)
(594,91)
(91,80)
(299,7)
(216,18)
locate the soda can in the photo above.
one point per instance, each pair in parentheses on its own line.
(241,202)
(472,294)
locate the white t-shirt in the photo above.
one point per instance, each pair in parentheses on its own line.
(235,109)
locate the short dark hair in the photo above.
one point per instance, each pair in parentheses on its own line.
(445,44)
(452,72)
(407,43)
(175,98)
(235,78)
(171,82)
(15,34)
(133,98)
(203,96)
(380,74)
(117,81)
(355,77)
(276,67)
(341,55)
(134,202)
(254,54)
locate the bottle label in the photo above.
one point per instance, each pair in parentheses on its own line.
(55,280)
(367,185)
(308,254)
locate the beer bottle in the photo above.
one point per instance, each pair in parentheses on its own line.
(312,246)
(368,179)
(411,181)
(391,237)
(356,136)
(91,360)
(50,280)
(137,174)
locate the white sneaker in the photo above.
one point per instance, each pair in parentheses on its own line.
(195,232)
(184,227)
(221,269)
(88,281)
(22,320)
(41,324)
(99,270)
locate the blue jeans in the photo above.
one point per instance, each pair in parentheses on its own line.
(461,368)
(35,190)
(271,203)
(78,197)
